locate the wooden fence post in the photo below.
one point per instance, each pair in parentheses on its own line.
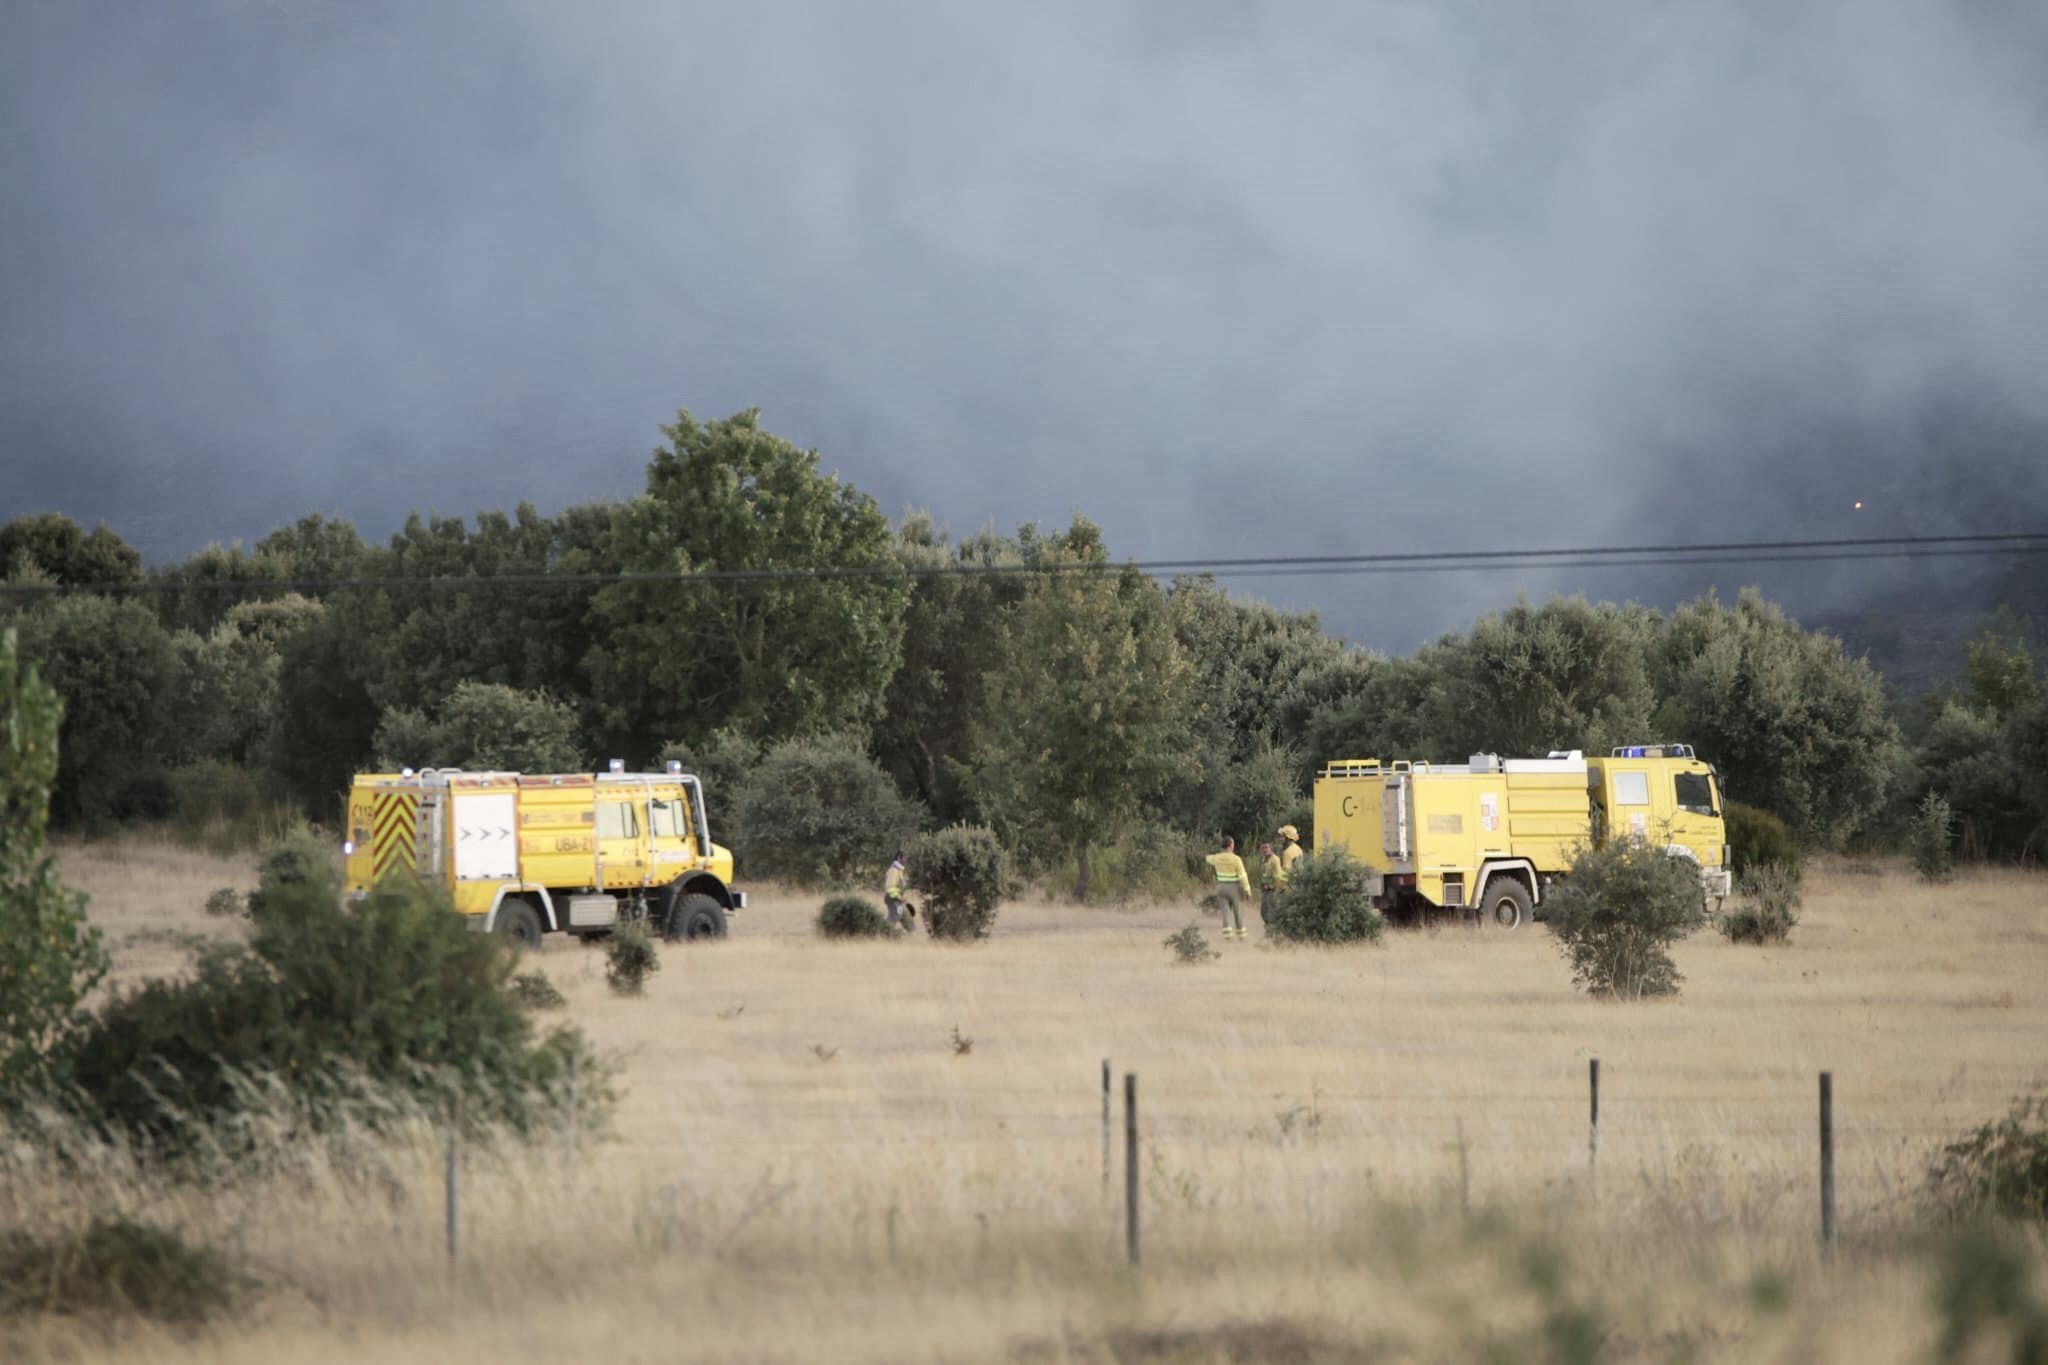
(454,1192)
(1593,1122)
(1827,1162)
(1131,1165)
(1105,1126)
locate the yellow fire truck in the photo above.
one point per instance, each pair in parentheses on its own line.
(1489,835)
(527,854)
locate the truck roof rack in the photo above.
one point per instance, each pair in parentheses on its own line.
(1653,751)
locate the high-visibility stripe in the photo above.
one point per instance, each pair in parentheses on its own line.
(394,836)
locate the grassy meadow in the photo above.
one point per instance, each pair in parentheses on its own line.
(893,1151)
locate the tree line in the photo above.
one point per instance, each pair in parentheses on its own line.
(1085,716)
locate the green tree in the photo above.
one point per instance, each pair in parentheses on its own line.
(483,727)
(50,958)
(952,634)
(115,669)
(316,549)
(1360,705)
(1087,719)
(198,594)
(327,720)
(1569,674)
(819,811)
(1794,725)
(61,548)
(772,657)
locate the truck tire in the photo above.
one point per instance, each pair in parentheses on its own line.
(1507,903)
(695,916)
(518,920)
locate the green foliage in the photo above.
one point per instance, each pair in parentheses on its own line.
(1757,838)
(50,957)
(722,763)
(630,959)
(1190,945)
(226,903)
(1566,675)
(952,633)
(115,1265)
(534,991)
(113,665)
(1930,839)
(1618,913)
(963,874)
(852,917)
(1085,719)
(395,990)
(2001,1168)
(228,808)
(1328,900)
(1986,1297)
(60,549)
(2000,674)
(1793,724)
(1767,906)
(326,716)
(1255,796)
(771,657)
(821,812)
(484,727)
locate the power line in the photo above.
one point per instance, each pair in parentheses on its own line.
(1737,553)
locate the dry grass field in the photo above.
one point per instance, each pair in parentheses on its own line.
(893,1151)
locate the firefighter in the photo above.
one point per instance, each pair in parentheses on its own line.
(1290,853)
(1272,879)
(1232,885)
(895,887)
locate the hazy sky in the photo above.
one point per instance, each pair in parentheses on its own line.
(1232,279)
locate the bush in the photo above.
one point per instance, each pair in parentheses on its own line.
(148,795)
(396,990)
(483,727)
(1768,906)
(226,903)
(1930,839)
(963,874)
(301,861)
(852,917)
(50,957)
(1189,945)
(2002,1168)
(228,808)
(535,992)
(1619,912)
(820,812)
(721,763)
(630,959)
(1328,900)
(116,1265)
(1757,838)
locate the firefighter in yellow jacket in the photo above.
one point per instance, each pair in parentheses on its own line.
(1290,853)
(1272,880)
(1233,884)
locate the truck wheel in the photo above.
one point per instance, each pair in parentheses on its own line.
(519,920)
(696,916)
(1507,902)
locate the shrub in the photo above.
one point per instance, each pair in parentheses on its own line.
(1328,900)
(820,812)
(963,874)
(1189,945)
(146,795)
(721,763)
(1930,839)
(630,959)
(116,1265)
(396,990)
(2001,1168)
(50,957)
(852,917)
(228,808)
(1756,838)
(1768,906)
(299,862)
(534,991)
(1619,912)
(226,903)
(482,726)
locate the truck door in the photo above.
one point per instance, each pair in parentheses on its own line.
(673,849)
(1696,813)
(621,842)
